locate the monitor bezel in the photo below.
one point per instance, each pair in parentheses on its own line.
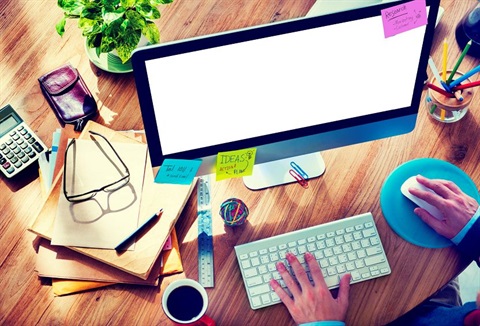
(142,55)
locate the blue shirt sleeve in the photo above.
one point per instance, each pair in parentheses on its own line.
(324,323)
(460,235)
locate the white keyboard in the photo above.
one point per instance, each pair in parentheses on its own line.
(350,245)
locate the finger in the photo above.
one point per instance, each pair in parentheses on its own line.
(431,198)
(298,269)
(315,270)
(282,294)
(439,186)
(344,291)
(453,187)
(425,216)
(288,279)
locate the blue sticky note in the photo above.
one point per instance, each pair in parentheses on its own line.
(177,171)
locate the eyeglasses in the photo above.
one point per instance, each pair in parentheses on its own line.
(123,181)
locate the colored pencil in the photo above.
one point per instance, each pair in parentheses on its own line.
(439,90)
(442,114)
(444,60)
(468,85)
(467,75)
(459,61)
(458,95)
(436,74)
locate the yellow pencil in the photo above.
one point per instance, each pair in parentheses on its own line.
(442,114)
(444,58)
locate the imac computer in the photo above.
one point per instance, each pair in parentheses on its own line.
(289,89)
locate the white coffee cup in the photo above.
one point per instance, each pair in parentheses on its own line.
(185,301)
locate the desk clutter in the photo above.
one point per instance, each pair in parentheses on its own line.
(91,260)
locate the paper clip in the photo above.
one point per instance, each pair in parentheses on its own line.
(299,170)
(301,180)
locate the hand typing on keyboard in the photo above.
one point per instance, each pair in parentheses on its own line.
(310,302)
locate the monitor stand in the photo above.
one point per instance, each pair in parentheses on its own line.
(276,173)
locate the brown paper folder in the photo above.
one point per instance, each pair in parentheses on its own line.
(139,262)
(64,263)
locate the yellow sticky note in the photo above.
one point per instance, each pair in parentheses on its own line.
(235,164)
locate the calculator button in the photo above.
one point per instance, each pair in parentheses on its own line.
(18,164)
(25,159)
(11,169)
(37,146)
(31,153)
(31,140)
(6,165)
(3,146)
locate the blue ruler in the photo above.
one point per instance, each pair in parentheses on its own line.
(205,237)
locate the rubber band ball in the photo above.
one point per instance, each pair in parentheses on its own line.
(233,212)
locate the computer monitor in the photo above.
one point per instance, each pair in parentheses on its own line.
(289,89)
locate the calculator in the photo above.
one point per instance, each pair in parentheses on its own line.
(19,146)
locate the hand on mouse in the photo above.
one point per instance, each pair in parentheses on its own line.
(311,303)
(456,206)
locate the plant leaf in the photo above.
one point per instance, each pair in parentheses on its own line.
(92,10)
(71,7)
(137,21)
(113,14)
(151,32)
(127,43)
(128,3)
(160,2)
(147,10)
(60,27)
(89,26)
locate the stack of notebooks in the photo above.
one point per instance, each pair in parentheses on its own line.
(155,253)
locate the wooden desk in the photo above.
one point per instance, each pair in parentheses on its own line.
(30,47)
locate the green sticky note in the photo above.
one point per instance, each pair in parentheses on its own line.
(235,164)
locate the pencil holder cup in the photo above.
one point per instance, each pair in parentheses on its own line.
(452,108)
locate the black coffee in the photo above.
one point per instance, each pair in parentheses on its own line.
(184,303)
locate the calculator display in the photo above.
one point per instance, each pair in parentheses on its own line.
(7,124)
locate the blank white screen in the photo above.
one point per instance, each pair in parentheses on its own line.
(282,83)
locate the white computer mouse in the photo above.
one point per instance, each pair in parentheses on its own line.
(413,183)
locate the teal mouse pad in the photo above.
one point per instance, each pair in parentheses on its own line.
(398,210)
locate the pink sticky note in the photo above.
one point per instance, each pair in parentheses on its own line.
(404,17)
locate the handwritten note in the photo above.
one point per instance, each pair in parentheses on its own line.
(235,164)
(404,17)
(177,171)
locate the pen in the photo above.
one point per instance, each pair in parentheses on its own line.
(129,240)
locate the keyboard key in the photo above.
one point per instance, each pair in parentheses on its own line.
(260,289)
(374,260)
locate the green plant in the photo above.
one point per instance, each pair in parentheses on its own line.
(113,24)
